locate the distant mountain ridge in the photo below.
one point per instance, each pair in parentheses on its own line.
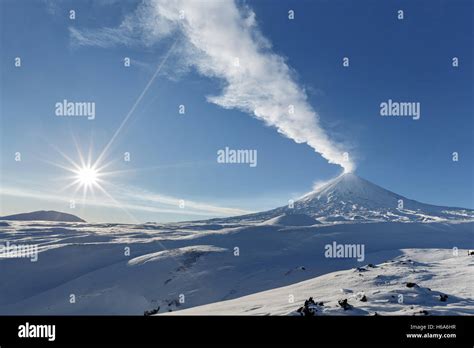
(351,198)
(43,215)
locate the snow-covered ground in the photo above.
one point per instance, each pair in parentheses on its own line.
(419,282)
(200,263)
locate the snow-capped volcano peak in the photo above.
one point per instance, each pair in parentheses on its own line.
(349,188)
(351,198)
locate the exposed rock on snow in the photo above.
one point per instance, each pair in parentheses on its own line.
(310,308)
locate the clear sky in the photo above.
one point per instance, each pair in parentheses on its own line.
(235,67)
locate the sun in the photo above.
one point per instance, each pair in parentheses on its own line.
(87,176)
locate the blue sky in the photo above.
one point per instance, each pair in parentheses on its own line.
(173,156)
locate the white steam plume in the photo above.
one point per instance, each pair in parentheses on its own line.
(223,41)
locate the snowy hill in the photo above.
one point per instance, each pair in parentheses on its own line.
(43,215)
(349,198)
(292,220)
(416,283)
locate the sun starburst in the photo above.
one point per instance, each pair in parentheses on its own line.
(87,176)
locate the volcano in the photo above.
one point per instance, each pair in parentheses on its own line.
(349,198)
